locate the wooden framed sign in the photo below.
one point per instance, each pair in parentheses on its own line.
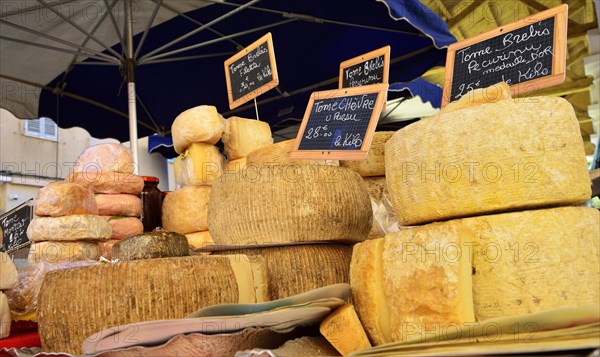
(528,55)
(251,72)
(13,227)
(370,68)
(339,124)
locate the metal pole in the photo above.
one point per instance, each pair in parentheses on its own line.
(131,97)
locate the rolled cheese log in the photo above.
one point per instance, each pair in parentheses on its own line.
(296,269)
(201,124)
(413,281)
(160,244)
(64,198)
(9,276)
(108,182)
(68,228)
(124,227)
(198,240)
(289,203)
(374,164)
(108,295)
(186,210)
(61,252)
(105,157)
(532,261)
(242,136)
(493,157)
(279,153)
(118,204)
(199,164)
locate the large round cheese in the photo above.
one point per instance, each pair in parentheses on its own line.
(159,244)
(279,153)
(374,164)
(61,252)
(68,228)
(63,199)
(119,205)
(296,269)
(105,157)
(201,124)
(242,136)
(289,203)
(108,182)
(488,158)
(199,164)
(186,210)
(124,227)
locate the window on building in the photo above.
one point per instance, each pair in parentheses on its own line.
(43,128)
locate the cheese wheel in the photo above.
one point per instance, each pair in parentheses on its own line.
(201,124)
(106,248)
(74,304)
(279,153)
(289,203)
(242,136)
(413,281)
(235,165)
(108,182)
(64,198)
(105,157)
(199,239)
(488,158)
(8,272)
(5,319)
(186,210)
(374,164)
(118,205)
(199,164)
(68,228)
(491,94)
(61,252)
(296,269)
(533,261)
(124,227)
(160,244)
(343,330)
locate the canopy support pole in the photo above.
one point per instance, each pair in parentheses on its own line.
(131,96)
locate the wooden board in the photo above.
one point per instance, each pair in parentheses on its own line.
(339,124)
(13,227)
(369,68)
(251,72)
(528,55)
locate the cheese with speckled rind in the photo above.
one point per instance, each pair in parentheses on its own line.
(61,252)
(118,205)
(105,157)
(242,136)
(150,245)
(374,164)
(199,164)
(532,261)
(108,182)
(413,281)
(488,158)
(64,198)
(201,124)
(287,204)
(69,228)
(186,210)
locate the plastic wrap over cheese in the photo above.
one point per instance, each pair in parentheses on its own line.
(200,164)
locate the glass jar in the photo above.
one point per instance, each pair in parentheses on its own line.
(151,204)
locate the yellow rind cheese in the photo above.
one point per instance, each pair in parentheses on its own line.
(374,164)
(242,136)
(186,210)
(343,330)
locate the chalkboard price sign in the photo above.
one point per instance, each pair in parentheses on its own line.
(370,68)
(13,227)
(339,124)
(251,72)
(528,55)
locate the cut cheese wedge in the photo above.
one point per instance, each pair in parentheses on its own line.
(374,164)
(69,228)
(61,252)
(343,330)
(494,157)
(107,295)
(186,210)
(242,136)
(199,164)
(286,204)
(198,240)
(201,124)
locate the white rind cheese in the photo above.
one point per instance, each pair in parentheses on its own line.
(201,124)
(69,228)
(488,158)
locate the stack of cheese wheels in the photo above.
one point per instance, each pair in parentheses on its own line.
(372,170)
(241,137)
(67,227)
(108,171)
(301,218)
(8,280)
(487,169)
(195,133)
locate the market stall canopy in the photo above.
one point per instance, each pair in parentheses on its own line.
(67,59)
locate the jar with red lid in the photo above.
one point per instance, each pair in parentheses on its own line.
(151,204)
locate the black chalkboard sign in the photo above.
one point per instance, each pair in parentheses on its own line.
(339,124)
(251,72)
(527,55)
(13,227)
(370,68)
